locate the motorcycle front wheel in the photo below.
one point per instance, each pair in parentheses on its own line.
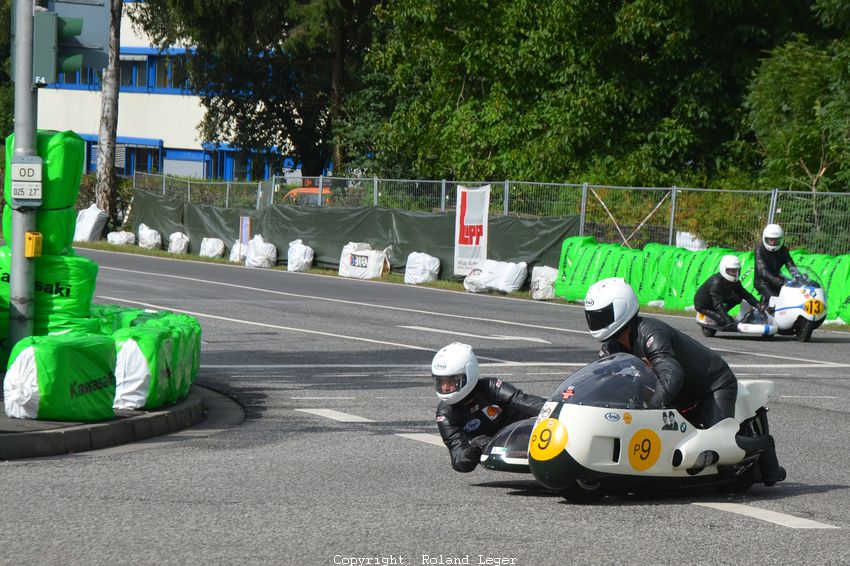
(804,329)
(583,492)
(708,332)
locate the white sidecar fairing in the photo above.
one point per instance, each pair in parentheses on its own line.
(802,297)
(764,326)
(598,423)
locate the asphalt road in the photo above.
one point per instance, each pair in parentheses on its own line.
(335,461)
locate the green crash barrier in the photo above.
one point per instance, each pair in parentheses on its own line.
(63,154)
(670,276)
(143,374)
(66,377)
(56,227)
(58,323)
(64,285)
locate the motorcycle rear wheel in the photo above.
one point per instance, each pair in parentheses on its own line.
(708,332)
(804,330)
(583,492)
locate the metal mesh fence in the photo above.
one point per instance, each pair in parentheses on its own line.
(633,216)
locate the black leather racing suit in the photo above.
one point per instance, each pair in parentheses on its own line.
(717,296)
(688,373)
(768,281)
(467,425)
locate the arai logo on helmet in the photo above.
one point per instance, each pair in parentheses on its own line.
(440,365)
(588,302)
(613,417)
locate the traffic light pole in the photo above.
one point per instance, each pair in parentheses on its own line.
(22,277)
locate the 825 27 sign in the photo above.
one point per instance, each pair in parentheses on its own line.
(26,180)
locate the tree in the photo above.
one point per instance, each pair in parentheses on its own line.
(105,191)
(270,73)
(7,90)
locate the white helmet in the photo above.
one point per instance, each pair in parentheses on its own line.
(730,267)
(455,372)
(773,237)
(609,305)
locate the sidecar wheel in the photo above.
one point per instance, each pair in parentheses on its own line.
(584,492)
(804,331)
(708,332)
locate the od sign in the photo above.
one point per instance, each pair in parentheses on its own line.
(26,181)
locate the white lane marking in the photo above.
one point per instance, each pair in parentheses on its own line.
(441,331)
(434,439)
(336,415)
(761,374)
(355,303)
(323,399)
(766,515)
(808,397)
(808,360)
(264,325)
(819,365)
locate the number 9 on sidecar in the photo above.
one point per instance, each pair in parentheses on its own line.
(599,433)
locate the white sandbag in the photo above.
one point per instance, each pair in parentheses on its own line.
(90,223)
(299,257)
(360,261)
(238,251)
(212,247)
(20,388)
(178,243)
(421,268)
(121,238)
(260,253)
(502,276)
(149,238)
(543,283)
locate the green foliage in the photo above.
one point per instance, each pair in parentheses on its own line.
(7,92)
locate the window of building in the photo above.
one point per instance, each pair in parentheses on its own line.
(171,72)
(133,71)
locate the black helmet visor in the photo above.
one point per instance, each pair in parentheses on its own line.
(600,318)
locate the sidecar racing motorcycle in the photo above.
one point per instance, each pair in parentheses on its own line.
(599,433)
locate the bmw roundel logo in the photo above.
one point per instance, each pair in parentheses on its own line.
(613,417)
(588,302)
(472,425)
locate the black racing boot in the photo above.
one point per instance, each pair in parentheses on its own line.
(771,471)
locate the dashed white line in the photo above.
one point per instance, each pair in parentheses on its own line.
(323,398)
(808,396)
(434,439)
(781,519)
(336,415)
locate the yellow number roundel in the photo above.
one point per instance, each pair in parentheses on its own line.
(548,439)
(644,449)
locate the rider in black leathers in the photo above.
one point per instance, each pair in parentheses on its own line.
(722,292)
(770,255)
(690,375)
(476,409)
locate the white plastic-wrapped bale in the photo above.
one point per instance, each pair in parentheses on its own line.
(238,251)
(142,367)
(211,247)
(260,253)
(90,223)
(67,377)
(421,268)
(178,243)
(299,257)
(121,238)
(502,276)
(360,261)
(543,283)
(149,238)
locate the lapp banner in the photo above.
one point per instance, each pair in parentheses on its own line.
(471,228)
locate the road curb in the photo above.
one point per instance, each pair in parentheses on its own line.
(94,436)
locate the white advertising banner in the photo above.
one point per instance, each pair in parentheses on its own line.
(471,228)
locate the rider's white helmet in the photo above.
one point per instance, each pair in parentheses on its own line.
(455,372)
(773,237)
(608,306)
(730,267)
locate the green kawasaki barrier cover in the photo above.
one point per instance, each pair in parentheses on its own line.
(671,275)
(64,285)
(536,241)
(63,377)
(62,154)
(143,367)
(56,227)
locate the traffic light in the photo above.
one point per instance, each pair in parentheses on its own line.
(50,35)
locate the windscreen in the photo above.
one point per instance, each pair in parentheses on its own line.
(619,381)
